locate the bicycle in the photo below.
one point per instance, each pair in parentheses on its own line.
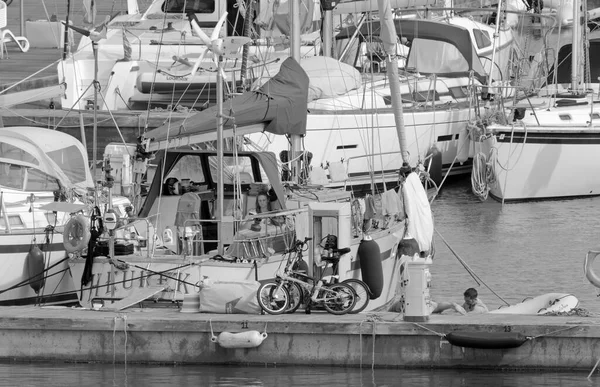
(290,289)
(331,255)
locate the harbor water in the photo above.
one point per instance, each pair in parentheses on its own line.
(515,250)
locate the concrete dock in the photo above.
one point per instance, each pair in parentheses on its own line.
(165,335)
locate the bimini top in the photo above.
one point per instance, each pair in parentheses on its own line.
(54,153)
(279,106)
(435,48)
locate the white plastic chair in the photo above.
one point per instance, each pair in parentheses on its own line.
(6,36)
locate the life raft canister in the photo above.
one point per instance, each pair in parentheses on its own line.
(35,268)
(76,234)
(370,266)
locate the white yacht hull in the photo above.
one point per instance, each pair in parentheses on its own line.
(180,276)
(14,283)
(550,153)
(546,163)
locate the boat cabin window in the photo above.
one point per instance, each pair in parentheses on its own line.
(232,168)
(436,57)
(8,151)
(14,221)
(185,6)
(71,162)
(482,39)
(26,179)
(368,55)
(185,176)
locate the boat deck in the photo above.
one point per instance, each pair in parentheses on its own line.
(165,335)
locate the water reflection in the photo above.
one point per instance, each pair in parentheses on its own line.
(55,375)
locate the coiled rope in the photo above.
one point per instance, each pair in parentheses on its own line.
(483,174)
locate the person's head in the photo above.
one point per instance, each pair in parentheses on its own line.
(172,186)
(263,204)
(470,296)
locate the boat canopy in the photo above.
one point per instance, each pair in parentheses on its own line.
(280,105)
(328,77)
(563,76)
(435,47)
(53,153)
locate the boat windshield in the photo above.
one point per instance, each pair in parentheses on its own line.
(26,179)
(231,167)
(71,162)
(185,6)
(436,57)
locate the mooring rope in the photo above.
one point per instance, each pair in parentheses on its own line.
(551,333)
(430,330)
(469,270)
(123,317)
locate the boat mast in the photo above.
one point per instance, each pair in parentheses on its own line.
(575,47)
(220,185)
(327,35)
(389,39)
(66,35)
(295,140)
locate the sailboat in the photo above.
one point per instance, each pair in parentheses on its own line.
(353,129)
(546,149)
(40,172)
(340,124)
(200,201)
(157,59)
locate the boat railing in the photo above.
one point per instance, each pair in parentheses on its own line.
(247,243)
(129,224)
(370,155)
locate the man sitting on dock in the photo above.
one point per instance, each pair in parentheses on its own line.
(472,304)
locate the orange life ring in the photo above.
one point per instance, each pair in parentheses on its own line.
(589,270)
(76,235)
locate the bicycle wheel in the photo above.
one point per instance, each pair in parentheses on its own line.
(273,297)
(296,296)
(339,298)
(361,292)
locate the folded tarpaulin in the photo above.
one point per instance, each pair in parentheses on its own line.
(281,104)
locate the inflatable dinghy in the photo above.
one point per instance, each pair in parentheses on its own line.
(545,304)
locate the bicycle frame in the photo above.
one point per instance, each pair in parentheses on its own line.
(313,289)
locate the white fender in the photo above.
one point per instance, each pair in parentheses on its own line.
(462,153)
(588,267)
(249,339)
(76,234)
(126,180)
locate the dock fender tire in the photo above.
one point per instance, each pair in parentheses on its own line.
(76,235)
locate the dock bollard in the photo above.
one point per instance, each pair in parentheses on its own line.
(417,297)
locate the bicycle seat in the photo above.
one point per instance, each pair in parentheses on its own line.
(343,251)
(333,259)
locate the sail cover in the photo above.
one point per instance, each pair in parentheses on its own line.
(280,104)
